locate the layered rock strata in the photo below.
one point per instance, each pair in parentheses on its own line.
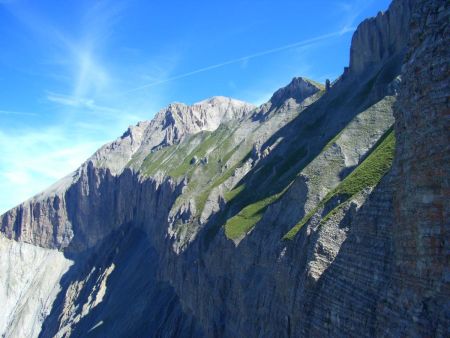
(179,227)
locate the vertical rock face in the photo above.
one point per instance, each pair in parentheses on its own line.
(41,220)
(377,39)
(420,294)
(144,223)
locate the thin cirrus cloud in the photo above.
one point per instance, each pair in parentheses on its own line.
(19,113)
(32,160)
(79,58)
(351,10)
(80,103)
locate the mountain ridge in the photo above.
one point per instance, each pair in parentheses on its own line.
(188,237)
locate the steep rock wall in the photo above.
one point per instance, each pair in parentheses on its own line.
(381,268)
(379,38)
(418,301)
(353,274)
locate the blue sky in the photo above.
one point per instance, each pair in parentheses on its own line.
(75,74)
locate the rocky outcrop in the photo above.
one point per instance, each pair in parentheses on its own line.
(298,89)
(43,219)
(142,224)
(169,126)
(380,38)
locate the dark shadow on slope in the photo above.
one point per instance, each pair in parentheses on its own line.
(134,303)
(358,274)
(303,139)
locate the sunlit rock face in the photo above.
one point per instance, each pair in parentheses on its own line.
(379,38)
(169,126)
(29,284)
(49,218)
(293,219)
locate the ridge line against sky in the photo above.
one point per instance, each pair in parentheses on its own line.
(75,75)
(303,43)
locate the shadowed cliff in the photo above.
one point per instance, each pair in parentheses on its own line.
(319,213)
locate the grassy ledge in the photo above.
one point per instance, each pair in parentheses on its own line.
(202,197)
(241,223)
(366,175)
(238,225)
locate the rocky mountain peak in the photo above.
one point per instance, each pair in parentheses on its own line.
(204,115)
(298,89)
(169,126)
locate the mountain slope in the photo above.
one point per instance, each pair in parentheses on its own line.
(224,219)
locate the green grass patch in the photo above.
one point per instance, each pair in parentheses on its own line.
(371,170)
(291,233)
(200,151)
(175,160)
(321,86)
(245,220)
(247,217)
(202,198)
(252,211)
(155,160)
(230,195)
(211,141)
(366,175)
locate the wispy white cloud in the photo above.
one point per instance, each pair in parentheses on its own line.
(349,11)
(90,76)
(79,56)
(70,100)
(80,102)
(33,160)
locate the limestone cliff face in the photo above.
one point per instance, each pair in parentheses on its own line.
(51,218)
(420,283)
(29,284)
(83,214)
(184,226)
(380,38)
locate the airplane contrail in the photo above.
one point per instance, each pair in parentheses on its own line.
(8,112)
(302,43)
